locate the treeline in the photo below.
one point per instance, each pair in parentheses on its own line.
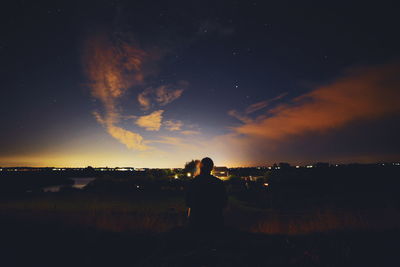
(106,181)
(342,186)
(32,181)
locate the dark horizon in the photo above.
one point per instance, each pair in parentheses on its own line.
(314,164)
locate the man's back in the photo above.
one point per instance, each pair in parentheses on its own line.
(206,198)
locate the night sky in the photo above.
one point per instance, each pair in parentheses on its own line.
(158,83)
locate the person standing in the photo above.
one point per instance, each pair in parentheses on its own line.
(206,199)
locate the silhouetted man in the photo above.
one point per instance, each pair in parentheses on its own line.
(206,198)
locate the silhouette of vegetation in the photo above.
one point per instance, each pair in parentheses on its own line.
(191,167)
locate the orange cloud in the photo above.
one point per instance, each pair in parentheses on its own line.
(144,100)
(262,104)
(162,95)
(151,122)
(130,139)
(245,118)
(189,132)
(362,94)
(165,96)
(171,125)
(177,142)
(239,116)
(112,67)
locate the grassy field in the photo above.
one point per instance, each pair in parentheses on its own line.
(139,213)
(159,213)
(90,229)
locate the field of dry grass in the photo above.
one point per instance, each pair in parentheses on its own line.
(150,214)
(85,229)
(313,220)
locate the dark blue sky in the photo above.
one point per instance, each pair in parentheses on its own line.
(220,66)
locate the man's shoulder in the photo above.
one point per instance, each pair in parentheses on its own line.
(208,178)
(216,179)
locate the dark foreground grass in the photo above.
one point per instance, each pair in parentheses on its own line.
(156,213)
(84,229)
(54,244)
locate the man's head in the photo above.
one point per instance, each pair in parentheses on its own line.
(206,166)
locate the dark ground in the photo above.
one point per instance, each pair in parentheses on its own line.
(30,244)
(94,227)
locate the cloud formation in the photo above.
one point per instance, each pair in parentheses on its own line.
(362,94)
(262,104)
(144,100)
(130,139)
(151,122)
(189,132)
(162,95)
(245,117)
(171,125)
(239,116)
(112,67)
(177,142)
(165,96)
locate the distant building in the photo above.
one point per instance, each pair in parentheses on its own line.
(221,172)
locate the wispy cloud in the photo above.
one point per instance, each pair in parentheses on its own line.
(144,100)
(323,123)
(363,94)
(171,125)
(262,104)
(151,122)
(165,96)
(130,139)
(239,116)
(256,106)
(162,95)
(177,142)
(113,67)
(245,117)
(189,132)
